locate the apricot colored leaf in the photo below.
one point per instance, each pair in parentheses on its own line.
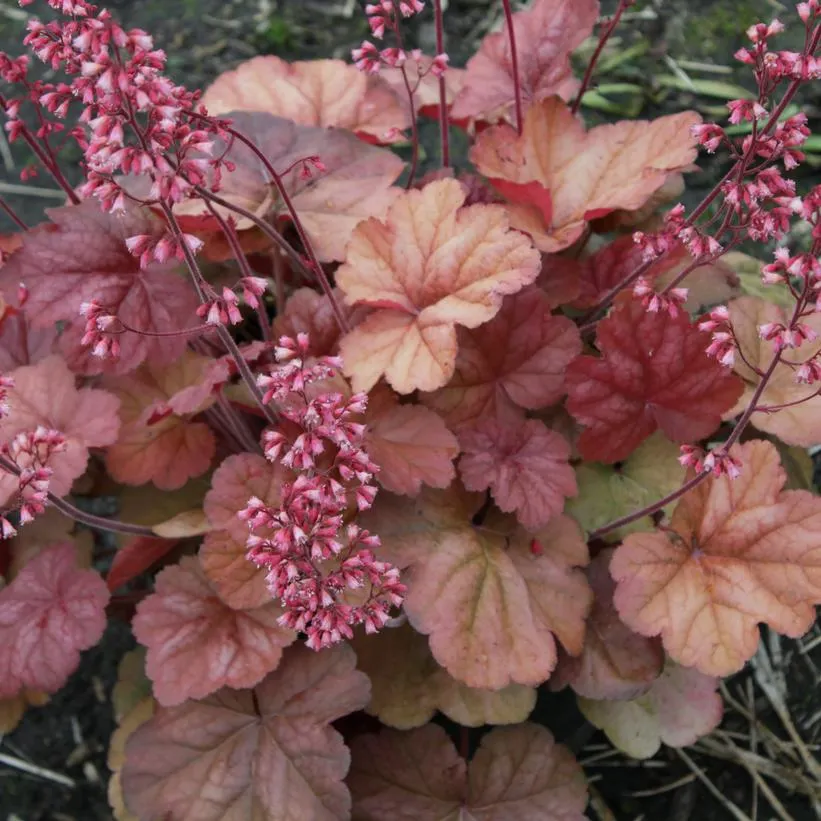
(46,394)
(13,709)
(492,602)
(546,34)
(615,663)
(741,553)
(432,265)
(132,684)
(681,706)
(607,493)
(135,557)
(237,581)
(518,772)
(237,479)
(410,443)
(81,255)
(517,360)
(355,185)
(48,614)
(155,444)
(653,374)
(197,644)
(311,92)
(269,754)
(587,173)
(408,686)
(139,713)
(796,425)
(184,525)
(608,267)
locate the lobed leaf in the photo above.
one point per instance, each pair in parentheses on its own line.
(587,174)
(653,374)
(518,772)
(48,614)
(740,552)
(266,754)
(432,265)
(197,644)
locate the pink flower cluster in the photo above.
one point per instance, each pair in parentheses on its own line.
(26,456)
(320,565)
(382,18)
(718,461)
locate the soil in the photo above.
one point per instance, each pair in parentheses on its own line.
(205,37)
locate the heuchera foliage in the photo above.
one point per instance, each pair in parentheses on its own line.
(398,444)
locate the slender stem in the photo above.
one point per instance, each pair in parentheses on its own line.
(303,234)
(514,65)
(414,131)
(605,36)
(263,226)
(13,215)
(225,337)
(233,240)
(279,281)
(444,125)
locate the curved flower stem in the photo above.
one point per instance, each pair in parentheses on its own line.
(414,164)
(66,508)
(702,475)
(222,331)
(514,65)
(303,234)
(605,36)
(444,125)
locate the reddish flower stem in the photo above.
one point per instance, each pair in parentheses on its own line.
(414,164)
(222,331)
(605,36)
(303,235)
(514,65)
(88,519)
(12,215)
(444,124)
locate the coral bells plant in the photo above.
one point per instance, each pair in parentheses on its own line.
(404,444)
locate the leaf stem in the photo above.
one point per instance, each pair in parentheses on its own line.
(514,65)
(444,125)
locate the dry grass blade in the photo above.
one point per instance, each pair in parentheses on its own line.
(673,785)
(599,805)
(714,791)
(33,769)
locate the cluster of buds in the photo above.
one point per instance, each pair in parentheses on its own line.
(101,330)
(670,302)
(27,456)
(224,309)
(723,344)
(382,18)
(718,462)
(320,565)
(783,336)
(160,249)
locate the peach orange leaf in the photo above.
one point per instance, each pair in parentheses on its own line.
(525,465)
(356,182)
(410,443)
(546,33)
(197,644)
(653,374)
(680,707)
(81,255)
(493,603)
(739,553)
(267,754)
(518,772)
(48,614)
(237,581)
(615,663)
(587,173)
(432,265)
(517,360)
(408,686)
(155,443)
(237,479)
(46,394)
(608,492)
(312,92)
(799,424)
